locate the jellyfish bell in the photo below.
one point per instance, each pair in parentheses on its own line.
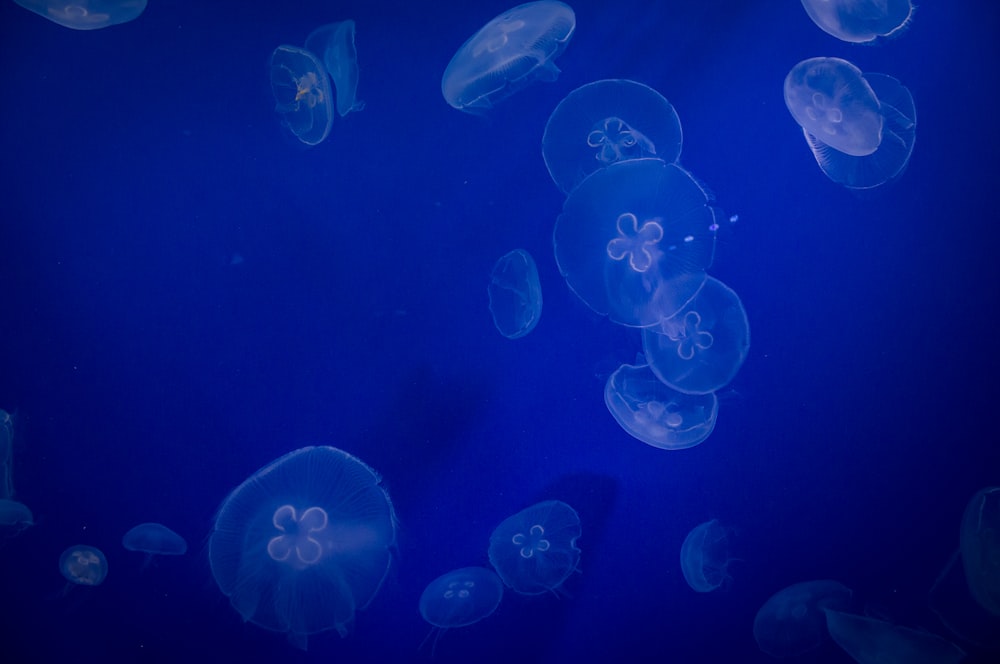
(792,622)
(860,21)
(333,44)
(459,598)
(14,517)
(154,539)
(515,294)
(302,93)
(535,551)
(86,14)
(84,565)
(705,556)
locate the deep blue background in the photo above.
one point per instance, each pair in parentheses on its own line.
(150,376)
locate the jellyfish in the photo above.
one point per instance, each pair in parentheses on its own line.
(860,127)
(872,641)
(86,14)
(535,550)
(515,294)
(509,53)
(154,539)
(705,557)
(979,543)
(459,598)
(333,44)
(700,349)
(83,565)
(302,93)
(651,412)
(304,542)
(860,21)
(605,122)
(634,239)
(792,621)
(14,516)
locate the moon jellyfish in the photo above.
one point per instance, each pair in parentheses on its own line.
(459,598)
(605,122)
(302,93)
(651,412)
(515,294)
(86,14)
(871,641)
(154,539)
(634,239)
(860,21)
(509,53)
(333,44)
(792,622)
(83,565)
(14,516)
(535,550)
(702,347)
(705,557)
(979,543)
(860,128)
(304,542)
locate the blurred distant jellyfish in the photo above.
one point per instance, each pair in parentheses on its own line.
(304,542)
(700,348)
(83,565)
(872,641)
(792,622)
(86,14)
(535,550)
(979,543)
(14,516)
(634,239)
(333,44)
(459,598)
(655,414)
(154,539)
(860,127)
(302,93)
(515,294)
(705,557)
(509,53)
(860,21)
(605,122)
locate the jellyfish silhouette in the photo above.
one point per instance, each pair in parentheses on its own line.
(14,516)
(86,14)
(792,621)
(860,21)
(83,565)
(302,93)
(304,542)
(459,598)
(705,556)
(535,550)
(515,294)
(333,44)
(871,641)
(154,539)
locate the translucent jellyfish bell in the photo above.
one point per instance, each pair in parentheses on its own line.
(334,45)
(459,598)
(979,543)
(634,239)
(302,93)
(14,516)
(83,565)
(870,640)
(86,14)
(605,122)
(705,556)
(792,622)
(860,21)
(535,550)
(515,294)
(154,539)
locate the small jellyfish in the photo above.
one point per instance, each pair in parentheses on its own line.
(701,348)
(86,14)
(860,21)
(459,598)
(333,44)
(509,53)
(515,294)
(14,517)
(792,622)
(535,550)
(634,239)
(651,412)
(872,641)
(705,556)
(154,539)
(302,93)
(83,565)
(304,542)
(605,122)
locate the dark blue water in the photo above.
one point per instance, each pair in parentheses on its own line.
(150,375)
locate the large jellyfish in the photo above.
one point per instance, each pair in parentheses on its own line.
(509,53)
(634,239)
(605,122)
(333,44)
(872,641)
(83,565)
(535,550)
(14,516)
(154,539)
(705,556)
(792,621)
(860,128)
(304,542)
(86,14)
(459,598)
(651,412)
(302,93)
(515,294)
(860,21)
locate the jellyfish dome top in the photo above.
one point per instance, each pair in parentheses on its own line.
(83,565)
(154,538)
(304,542)
(634,239)
(535,550)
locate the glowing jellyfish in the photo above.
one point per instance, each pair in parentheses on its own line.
(154,539)
(334,45)
(705,556)
(979,543)
(515,294)
(792,622)
(605,122)
(871,641)
(304,542)
(509,53)
(651,412)
(302,93)
(860,128)
(459,598)
(86,14)
(83,565)
(700,349)
(535,550)
(860,21)
(634,239)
